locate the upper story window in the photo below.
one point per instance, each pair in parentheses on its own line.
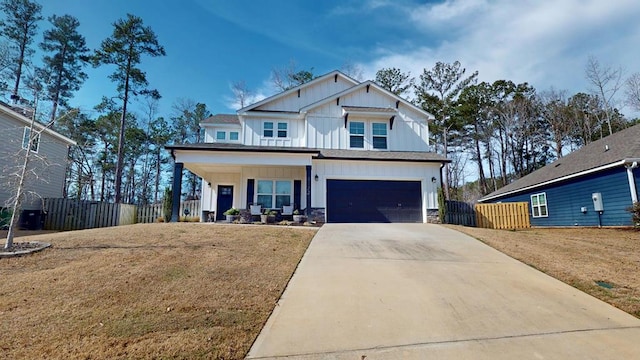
(281,129)
(234,135)
(379,135)
(221,135)
(267,129)
(35,142)
(356,135)
(539,205)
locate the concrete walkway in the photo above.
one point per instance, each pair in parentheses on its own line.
(416,291)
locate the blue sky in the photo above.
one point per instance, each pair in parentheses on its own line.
(212,43)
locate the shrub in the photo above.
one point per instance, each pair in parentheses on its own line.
(635,214)
(167,204)
(5,218)
(232,211)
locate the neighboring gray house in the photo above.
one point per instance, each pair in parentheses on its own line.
(48,162)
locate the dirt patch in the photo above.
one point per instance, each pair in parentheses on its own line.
(602,262)
(146,291)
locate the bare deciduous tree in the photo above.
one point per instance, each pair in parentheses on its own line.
(632,91)
(605,82)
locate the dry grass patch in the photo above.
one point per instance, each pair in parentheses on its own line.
(146,291)
(589,259)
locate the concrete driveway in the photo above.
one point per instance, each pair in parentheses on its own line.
(417,291)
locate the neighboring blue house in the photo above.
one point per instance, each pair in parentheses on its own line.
(562,193)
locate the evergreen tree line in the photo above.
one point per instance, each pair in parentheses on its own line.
(119,154)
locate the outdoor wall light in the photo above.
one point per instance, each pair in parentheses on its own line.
(433,179)
(317,177)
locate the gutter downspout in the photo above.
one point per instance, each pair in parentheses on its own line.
(630,165)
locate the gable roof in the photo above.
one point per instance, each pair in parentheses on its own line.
(38,126)
(222,119)
(294,89)
(602,154)
(360,86)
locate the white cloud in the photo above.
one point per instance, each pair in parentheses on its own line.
(545,43)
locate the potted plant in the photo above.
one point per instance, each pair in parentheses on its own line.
(297,217)
(231,214)
(264,217)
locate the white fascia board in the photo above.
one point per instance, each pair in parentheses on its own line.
(242,158)
(273,115)
(231,126)
(378,114)
(38,126)
(549,182)
(292,90)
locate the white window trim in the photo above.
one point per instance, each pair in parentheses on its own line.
(364,135)
(36,140)
(234,131)
(224,138)
(275,129)
(539,206)
(386,136)
(273,195)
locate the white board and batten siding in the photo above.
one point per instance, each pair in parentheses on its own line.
(308,95)
(326,128)
(376,170)
(253,126)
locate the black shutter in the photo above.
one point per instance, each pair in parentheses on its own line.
(250,187)
(297,190)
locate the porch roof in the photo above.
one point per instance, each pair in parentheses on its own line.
(320,154)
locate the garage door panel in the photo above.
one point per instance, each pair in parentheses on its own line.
(374,201)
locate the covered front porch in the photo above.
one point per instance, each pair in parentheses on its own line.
(275,180)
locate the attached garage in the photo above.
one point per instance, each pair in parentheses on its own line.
(362,201)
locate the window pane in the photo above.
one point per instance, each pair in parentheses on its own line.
(356,128)
(283,187)
(534,200)
(379,129)
(265,187)
(221,135)
(282,126)
(282,133)
(379,142)
(36,143)
(543,210)
(25,137)
(543,198)
(536,212)
(356,141)
(283,200)
(267,129)
(233,135)
(265,201)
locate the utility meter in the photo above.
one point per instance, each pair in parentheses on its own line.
(597,202)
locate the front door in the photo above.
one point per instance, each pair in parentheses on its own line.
(225,200)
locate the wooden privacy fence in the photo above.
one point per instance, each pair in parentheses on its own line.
(459,213)
(151,213)
(513,215)
(68,214)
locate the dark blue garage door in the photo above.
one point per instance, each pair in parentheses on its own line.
(373,201)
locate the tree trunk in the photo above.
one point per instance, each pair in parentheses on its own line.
(119,162)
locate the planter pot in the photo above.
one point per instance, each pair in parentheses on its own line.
(298,218)
(230,218)
(264,218)
(271,219)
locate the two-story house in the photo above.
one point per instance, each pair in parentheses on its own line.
(48,160)
(334,148)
